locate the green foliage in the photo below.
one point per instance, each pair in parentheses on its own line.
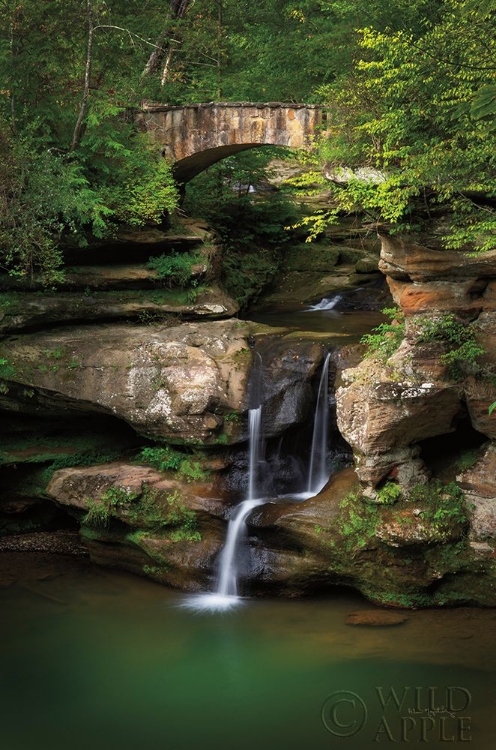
(251,226)
(145,190)
(222,439)
(232,418)
(417,110)
(119,496)
(54,353)
(387,337)
(97,515)
(147,507)
(194,292)
(170,459)
(459,339)
(185,535)
(51,190)
(388,494)
(239,217)
(7,370)
(358,528)
(192,471)
(445,504)
(41,195)
(151,511)
(100,509)
(412,97)
(356,522)
(163,459)
(247,274)
(492,407)
(151,570)
(175,269)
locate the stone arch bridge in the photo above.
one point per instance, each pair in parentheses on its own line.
(195,136)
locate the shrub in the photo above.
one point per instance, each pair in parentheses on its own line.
(387,337)
(388,494)
(175,269)
(458,338)
(170,459)
(163,459)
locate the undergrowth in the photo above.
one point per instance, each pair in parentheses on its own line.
(147,507)
(459,339)
(175,269)
(385,338)
(170,459)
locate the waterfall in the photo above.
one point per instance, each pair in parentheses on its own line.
(318,474)
(328,303)
(228,576)
(255,452)
(226,595)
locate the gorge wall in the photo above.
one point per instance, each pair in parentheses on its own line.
(136,428)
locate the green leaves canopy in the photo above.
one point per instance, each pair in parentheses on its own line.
(419,108)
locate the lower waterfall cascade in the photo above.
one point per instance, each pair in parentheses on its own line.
(226,595)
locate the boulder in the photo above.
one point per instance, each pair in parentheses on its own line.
(170,383)
(375,618)
(154,523)
(78,487)
(383,419)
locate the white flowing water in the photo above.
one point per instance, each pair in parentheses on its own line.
(226,595)
(318,472)
(328,303)
(255,451)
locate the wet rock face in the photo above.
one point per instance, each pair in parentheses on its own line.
(151,523)
(479,485)
(385,408)
(402,555)
(384,420)
(172,383)
(287,368)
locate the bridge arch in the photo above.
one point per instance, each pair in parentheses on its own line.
(196,136)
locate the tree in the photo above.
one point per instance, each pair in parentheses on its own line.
(417,108)
(72,79)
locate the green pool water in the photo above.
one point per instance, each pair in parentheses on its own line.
(101,659)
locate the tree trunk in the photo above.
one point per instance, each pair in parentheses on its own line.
(163,45)
(83,107)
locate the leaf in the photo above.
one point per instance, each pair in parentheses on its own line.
(484,102)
